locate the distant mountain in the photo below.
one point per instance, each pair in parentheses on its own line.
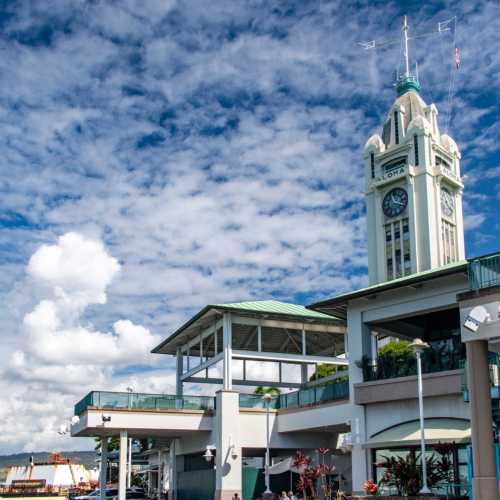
(86,458)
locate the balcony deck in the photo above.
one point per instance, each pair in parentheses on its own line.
(484,272)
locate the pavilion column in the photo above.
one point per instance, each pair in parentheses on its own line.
(160,468)
(122,466)
(228,472)
(104,468)
(179,385)
(484,481)
(228,352)
(303,373)
(172,473)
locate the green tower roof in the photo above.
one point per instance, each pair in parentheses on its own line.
(407,83)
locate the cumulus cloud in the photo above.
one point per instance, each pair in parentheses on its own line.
(62,351)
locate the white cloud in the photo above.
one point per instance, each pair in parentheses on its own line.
(60,351)
(254,188)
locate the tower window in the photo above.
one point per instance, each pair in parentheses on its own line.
(397,249)
(448,236)
(396,127)
(415,147)
(372,164)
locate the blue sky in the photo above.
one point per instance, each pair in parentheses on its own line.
(215,154)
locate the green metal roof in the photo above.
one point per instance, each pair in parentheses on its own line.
(271,307)
(274,307)
(340,301)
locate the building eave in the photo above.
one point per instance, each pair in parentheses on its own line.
(338,305)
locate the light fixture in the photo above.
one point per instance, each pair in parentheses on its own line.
(75,419)
(232,448)
(418,345)
(208,455)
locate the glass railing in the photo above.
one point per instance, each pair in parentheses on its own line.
(138,401)
(257,401)
(432,362)
(484,272)
(315,395)
(494,367)
(304,397)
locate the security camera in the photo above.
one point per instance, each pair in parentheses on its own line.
(476,318)
(106,418)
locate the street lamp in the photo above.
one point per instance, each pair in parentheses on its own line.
(267,398)
(418,346)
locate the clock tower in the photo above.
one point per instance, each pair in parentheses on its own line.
(413,190)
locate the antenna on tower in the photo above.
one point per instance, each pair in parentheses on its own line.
(405,40)
(407,81)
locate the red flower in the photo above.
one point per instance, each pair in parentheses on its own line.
(370,487)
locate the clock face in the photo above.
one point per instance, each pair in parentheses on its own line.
(447,204)
(395,201)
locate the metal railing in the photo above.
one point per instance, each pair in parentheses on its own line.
(304,397)
(484,272)
(432,362)
(139,401)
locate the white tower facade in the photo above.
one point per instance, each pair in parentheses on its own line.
(413,191)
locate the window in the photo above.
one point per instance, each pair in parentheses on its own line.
(397,249)
(415,149)
(458,458)
(396,127)
(449,240)
(443,163)
(372,164)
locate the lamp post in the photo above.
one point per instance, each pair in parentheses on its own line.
(418,346)
(267,398)
(130,391)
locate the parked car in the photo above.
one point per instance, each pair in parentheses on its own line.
(110,494)
(132,494)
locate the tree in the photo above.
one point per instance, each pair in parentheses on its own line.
(326,369)
(113,443)
(260,391)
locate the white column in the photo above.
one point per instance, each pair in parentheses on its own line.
(172,492)
(129,463)
(122,468)
(104,468)
(228,471)
(179,389)
(159,475)
(228,351)
(374,346)
(359,344)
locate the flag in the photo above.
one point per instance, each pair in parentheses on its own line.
(457,57)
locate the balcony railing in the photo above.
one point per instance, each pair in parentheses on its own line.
(304,397)
(432,362)
(494,367)
(138,401)
(484,272)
